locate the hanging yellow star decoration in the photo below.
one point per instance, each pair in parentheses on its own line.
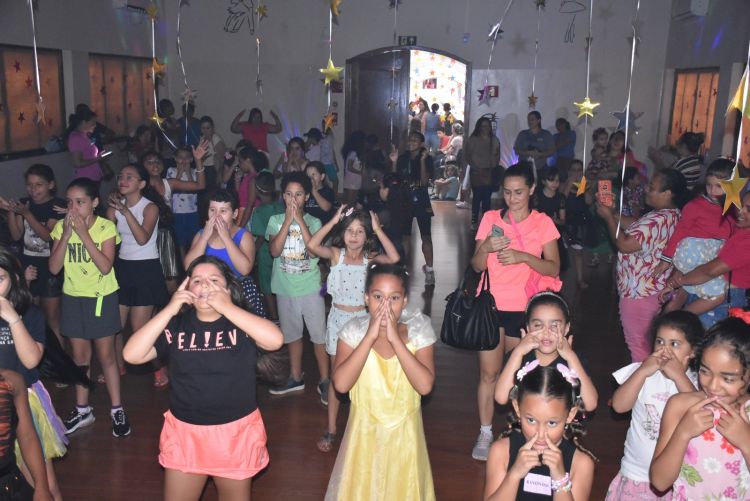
(41,109)
(733,188)
(532,100)
(157,119)
(328,121)
(586,107)
(581,187)
(151,10)
(262,11)
(332,73)
(157,67)
(336,7)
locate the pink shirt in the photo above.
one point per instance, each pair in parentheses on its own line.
(243,190)
(635,270)
(508,282)
(256,134)
(736,255)
(82,143)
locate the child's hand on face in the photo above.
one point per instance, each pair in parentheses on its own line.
(527,458)
(7,311)
(181,296)
(391,326)
(671,366)
(697,419)
(529,342)
(376,323)
(79,225)
(653,362)
(222,229)
(563,346)
(218,298)
(209,228)
(552,457)
(733,424)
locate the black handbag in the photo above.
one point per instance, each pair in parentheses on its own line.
(470,321)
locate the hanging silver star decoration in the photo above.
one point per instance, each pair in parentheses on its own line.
(495,33)
(484,95)
(620,116)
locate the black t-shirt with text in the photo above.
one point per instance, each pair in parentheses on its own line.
(33,319)
(211,369)
(32,243)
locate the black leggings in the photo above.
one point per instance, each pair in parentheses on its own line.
(481,195)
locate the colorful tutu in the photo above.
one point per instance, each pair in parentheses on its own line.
(49,427)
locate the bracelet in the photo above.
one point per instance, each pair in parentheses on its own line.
(14,322)
(562,484)
(200,171)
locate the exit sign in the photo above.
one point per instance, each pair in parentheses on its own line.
(407,40)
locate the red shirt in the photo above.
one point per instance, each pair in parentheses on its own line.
(700,218)
(736,255)
(256,134)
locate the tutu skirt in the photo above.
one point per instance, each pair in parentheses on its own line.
(49,427)
(235,450)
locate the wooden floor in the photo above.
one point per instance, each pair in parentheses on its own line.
(100,467)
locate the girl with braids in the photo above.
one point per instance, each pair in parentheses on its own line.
(644,390)
(546,339)
(539,456)
(134,211)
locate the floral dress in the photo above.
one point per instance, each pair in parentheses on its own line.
(712,469)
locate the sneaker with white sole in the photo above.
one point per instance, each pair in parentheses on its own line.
(482,446)
(323,391)
(462,205)
(290,386)
(429,276)
(120,424)
(77,419)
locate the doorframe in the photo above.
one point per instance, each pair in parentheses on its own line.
(401,48)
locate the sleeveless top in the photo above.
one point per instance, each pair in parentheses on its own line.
(346,282)
(712,468)
(223,254)
(8,423)
(129,249)
(517,441)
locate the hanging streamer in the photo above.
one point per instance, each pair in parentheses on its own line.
(532,98)
(188,95)
(589,42)
(627,110)
(40,106)
(494,35)
(155,117)
(392,102)
(260,13)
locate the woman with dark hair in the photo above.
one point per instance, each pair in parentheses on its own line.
(86,155)
(482,153)
(565,147)
(255,129)
(690,162)
(534,144)
(353,153)
(293,160)
(215,149)
(518,248)
(639,245)
(419,115)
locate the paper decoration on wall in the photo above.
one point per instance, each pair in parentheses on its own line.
(733,188)
(241,13)
(586,108)
(627,116)
(571,7)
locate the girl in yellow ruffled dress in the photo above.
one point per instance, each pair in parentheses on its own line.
(386,361)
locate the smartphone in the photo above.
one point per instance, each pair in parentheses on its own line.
(105,153)
(605,195)
(497,231)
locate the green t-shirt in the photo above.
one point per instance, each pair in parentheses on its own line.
(82,277)
(257,225)
(295,271)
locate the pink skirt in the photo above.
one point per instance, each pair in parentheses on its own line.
(624,489)
(235,450)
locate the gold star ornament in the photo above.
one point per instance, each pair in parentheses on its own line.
(157,67)
(331,73)
(581,187)
(336,7)
(532,100)
(328,121)
(157,119)
(151,10)
(262,11)
(586,107)
(733,188)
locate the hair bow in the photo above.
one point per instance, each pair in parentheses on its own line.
(530,366)
(569,374)
(741,314)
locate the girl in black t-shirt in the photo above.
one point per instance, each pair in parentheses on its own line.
(210,429)
(32,219)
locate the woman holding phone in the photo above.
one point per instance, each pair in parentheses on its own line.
(84,152)
(639,246)
(516,245)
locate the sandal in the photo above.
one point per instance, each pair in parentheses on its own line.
(160,378)
(325,444)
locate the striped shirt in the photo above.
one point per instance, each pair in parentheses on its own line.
(692,168)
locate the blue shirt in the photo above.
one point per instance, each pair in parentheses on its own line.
(569,150)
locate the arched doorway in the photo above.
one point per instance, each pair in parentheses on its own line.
(403,74)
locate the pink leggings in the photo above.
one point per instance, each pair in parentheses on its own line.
(636,316)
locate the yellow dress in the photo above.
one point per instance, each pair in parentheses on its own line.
(383,455)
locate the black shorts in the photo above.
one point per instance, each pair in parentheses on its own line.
(511,322)
(46,284)
(141,282)
(90,317)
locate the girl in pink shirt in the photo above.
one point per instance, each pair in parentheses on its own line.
(86,155)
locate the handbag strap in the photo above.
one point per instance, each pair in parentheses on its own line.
(486,280)
(515,229)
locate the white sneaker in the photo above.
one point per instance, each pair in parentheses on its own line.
(462,205)
(429,276)
(482,446)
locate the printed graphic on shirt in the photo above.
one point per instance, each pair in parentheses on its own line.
(33,244)
(652,422)
(202,342)
(294,257)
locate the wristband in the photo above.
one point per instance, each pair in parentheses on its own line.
(562,485)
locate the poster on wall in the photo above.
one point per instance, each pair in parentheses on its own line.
(437,79)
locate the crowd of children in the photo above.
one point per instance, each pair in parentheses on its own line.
(258,263)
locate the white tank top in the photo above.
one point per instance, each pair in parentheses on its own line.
(129,248)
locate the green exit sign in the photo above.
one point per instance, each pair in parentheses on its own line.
(407,40)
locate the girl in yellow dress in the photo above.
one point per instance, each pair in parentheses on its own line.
(386,361)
